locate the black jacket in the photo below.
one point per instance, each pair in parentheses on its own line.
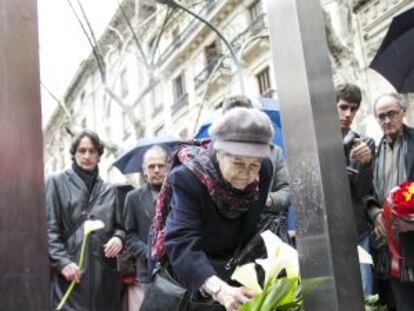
(361,185)
(195,232)
(406,240)
(68,206)
(138,213)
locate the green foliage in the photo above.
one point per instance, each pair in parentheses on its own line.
(283,295)
(371,304)
(278,294)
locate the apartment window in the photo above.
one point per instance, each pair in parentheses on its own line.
(211,52)
(263,81)
(179,87)
(180,95)
(255,10)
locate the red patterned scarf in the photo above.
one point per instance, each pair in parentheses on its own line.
(230,203)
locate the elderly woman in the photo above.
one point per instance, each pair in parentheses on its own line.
(216,198)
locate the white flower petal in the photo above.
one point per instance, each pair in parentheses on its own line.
(292,270)
(246,275)
(92,225)
(280,256)
(271,267)
(364,256)
(272,243)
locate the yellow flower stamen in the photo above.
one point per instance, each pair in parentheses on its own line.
(407,195)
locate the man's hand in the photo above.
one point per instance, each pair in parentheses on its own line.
(233,297)
(113,247)
(71,272)
(269,201)
(402,226)
(361,152)
(380,225)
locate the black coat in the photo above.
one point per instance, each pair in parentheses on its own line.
(406,239)
(68,205)
(362,188)
(138,213)
(196,233)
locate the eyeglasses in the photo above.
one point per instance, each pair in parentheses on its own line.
(390,115)
(153,166)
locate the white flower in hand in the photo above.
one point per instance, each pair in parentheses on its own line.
(247,276)
(92,225)
(88,227)
(280,256)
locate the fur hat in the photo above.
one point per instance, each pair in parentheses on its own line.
(243,131)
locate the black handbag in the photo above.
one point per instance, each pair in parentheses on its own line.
(125,265)
(166,293)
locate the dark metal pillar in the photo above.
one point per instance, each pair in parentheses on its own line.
(23,245)
(325,229)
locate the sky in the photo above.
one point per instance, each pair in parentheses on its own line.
(62,45)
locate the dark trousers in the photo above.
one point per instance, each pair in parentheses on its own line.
(403,293)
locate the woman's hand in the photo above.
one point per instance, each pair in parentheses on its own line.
(233,297)
(71,272)
(229,296)
(113,247)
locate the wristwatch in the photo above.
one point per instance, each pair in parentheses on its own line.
(214,290)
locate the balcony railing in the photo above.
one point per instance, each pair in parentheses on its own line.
(178,41)
(254,29)
(180,103)
(219,62)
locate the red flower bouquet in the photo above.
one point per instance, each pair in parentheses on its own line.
(398,204)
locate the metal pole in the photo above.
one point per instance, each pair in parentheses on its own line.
(326,235)
(23,242)
(174,4)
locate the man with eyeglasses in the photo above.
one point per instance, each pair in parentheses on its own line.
(394,164)
(359,153)
(139,211)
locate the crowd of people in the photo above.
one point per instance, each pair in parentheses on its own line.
(202,203)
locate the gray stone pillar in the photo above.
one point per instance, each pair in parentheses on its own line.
(24,270)
(326,235)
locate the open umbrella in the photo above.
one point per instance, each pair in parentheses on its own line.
(269,106)
(395,57)
(131,161)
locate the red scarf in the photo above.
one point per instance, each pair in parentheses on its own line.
(230,203)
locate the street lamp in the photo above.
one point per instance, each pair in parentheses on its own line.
(173,4)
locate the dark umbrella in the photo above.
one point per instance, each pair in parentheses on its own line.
(131,161)
(395,57)
(269,106)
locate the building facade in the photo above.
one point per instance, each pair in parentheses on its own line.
(172,71)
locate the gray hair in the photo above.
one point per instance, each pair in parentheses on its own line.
(153,149)
(398,98)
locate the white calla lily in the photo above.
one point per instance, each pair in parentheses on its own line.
(280,256)
(364,256)
(247,276)
(271,267)
(92,225)
(88,226)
